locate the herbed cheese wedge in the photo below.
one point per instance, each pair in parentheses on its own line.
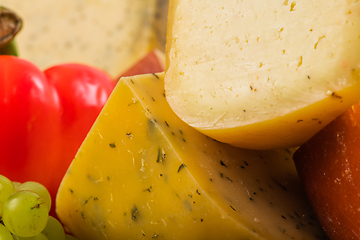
(142,173)
(262,75)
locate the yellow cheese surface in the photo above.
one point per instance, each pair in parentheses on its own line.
(142,173)
(109,34)
(262,75)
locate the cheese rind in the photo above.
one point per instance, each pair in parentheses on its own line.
(142,173)
(251,68)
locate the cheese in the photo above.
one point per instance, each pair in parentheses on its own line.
(142,173)
(262,75)
(109,34)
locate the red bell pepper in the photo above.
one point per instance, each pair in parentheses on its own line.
(45,116)
(153,62)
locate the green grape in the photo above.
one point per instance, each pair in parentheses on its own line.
(37,188)
(6,189)
(16,184)
(25,213)
(54,230)
(70,237)
(4,233)
(39,236)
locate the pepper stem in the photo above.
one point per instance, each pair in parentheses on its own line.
(9,49)
(10,25)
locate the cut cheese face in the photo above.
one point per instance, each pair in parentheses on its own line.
(111,35)
(142,173)
(262,75)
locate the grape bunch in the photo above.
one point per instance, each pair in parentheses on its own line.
(24,212)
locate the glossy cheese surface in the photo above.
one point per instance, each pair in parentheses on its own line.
(142,173)
(262,75)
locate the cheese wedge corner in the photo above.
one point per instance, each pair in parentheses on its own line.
(142,173)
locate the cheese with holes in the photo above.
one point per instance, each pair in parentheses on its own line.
(262,75)
(142,173)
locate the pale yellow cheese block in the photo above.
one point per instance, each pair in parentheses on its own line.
(142,173)
(262,74)
(109,34)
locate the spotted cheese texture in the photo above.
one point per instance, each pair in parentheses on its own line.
(262,75)
(109,34)
(142,173)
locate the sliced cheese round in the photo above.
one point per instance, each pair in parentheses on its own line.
(262,75)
